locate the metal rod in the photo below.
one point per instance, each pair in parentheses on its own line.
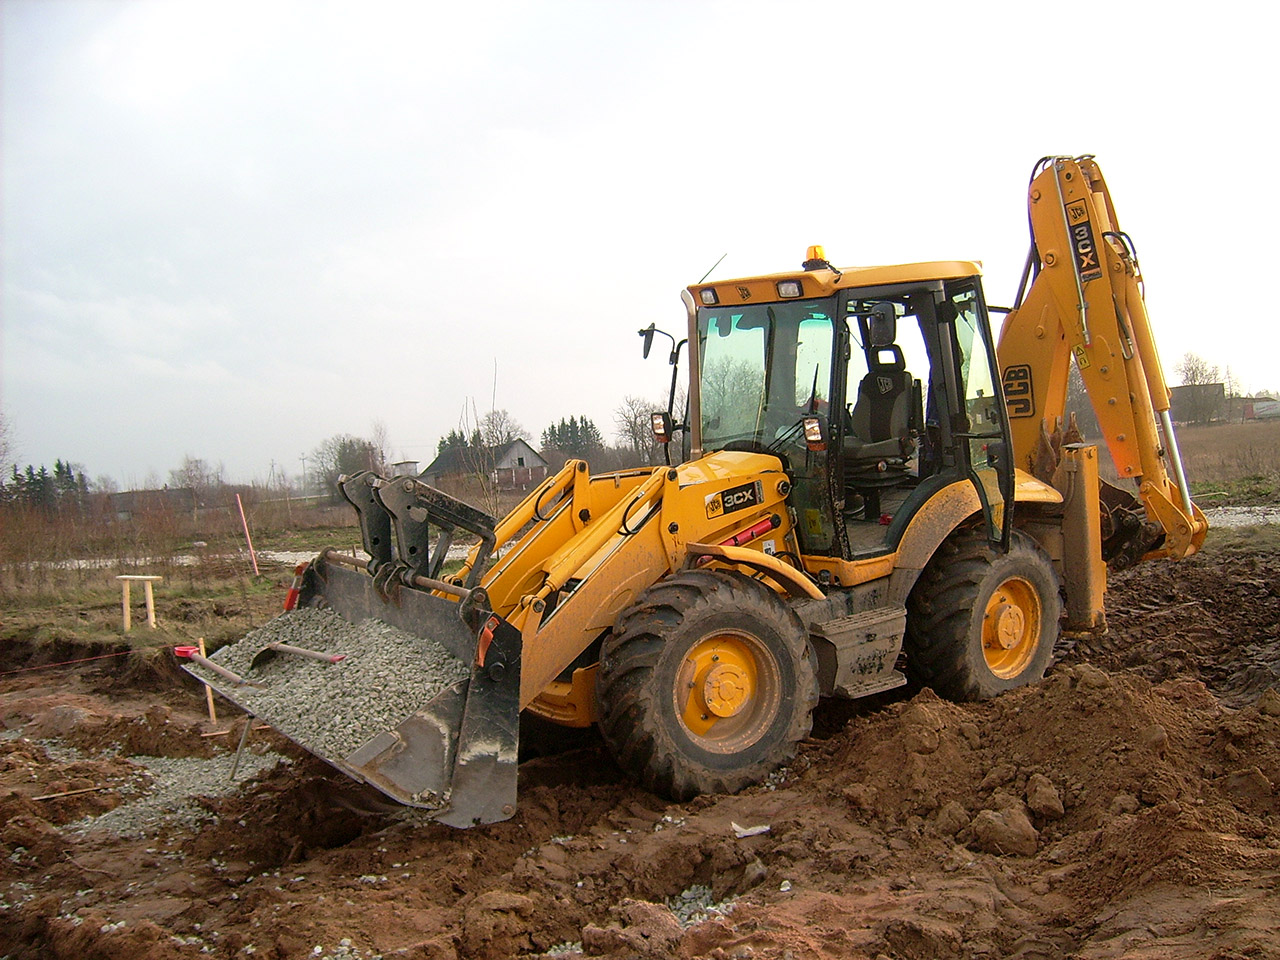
(332,554)
(1175,460)
(248,724)
(222,671)
(432,584)
(303,652)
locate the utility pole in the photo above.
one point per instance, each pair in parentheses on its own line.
(303,458)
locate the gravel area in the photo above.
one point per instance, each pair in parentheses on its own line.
(1242,516)
(696,905)
(333,708)
(169,789)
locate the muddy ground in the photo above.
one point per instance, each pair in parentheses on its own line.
(1126,807)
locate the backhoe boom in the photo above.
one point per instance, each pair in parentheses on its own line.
(1086,303)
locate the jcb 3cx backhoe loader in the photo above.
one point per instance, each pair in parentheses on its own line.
(870,481)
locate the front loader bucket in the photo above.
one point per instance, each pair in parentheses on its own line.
(420,703)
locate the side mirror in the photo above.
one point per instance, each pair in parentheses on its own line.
(815,433)
(648,333)
(662,427)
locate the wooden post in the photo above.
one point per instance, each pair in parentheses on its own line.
(126,581)
(208,690)
(151,604)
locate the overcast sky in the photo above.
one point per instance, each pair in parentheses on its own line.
(231,230)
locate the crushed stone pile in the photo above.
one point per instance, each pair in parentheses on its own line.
(334,708)
(171,790)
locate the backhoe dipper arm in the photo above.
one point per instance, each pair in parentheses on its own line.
(1086,301)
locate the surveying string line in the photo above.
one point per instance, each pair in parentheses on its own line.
(65,663)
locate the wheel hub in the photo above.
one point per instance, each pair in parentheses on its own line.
(726,689)
(1011,623)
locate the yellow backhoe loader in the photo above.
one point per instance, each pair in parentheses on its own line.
(869,484)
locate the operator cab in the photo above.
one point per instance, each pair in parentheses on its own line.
(899,374)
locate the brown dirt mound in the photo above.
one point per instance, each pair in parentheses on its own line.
(1216,620)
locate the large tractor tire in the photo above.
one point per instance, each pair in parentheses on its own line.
(706,685)
(980,622)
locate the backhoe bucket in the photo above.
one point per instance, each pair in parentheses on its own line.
(416,693)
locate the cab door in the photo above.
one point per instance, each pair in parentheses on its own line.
(982,423)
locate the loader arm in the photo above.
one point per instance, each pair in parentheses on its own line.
(1086,303)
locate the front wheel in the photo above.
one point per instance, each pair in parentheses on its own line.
(706,685)
(980,622)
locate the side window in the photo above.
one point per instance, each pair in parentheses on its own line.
(975,368)
(984,424)
(813,362)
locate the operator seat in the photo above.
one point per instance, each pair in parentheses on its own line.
(881,418)
(881,436)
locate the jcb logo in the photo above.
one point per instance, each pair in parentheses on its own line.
(735,498)
(1084,246)
(1019,397)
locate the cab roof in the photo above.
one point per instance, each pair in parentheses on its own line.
(825,281)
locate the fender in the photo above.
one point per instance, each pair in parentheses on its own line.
(940,515)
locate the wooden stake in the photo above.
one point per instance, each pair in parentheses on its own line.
(70,793)
(247,539)
(208,690)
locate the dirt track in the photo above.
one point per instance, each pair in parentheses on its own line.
(1126,807)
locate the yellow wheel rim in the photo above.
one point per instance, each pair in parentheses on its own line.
(1011,627)
(727,691)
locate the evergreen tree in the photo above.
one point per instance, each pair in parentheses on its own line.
(575,437)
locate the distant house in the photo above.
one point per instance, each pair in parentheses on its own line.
(1261,408)
(1198,403)
(512,466)
(134,503)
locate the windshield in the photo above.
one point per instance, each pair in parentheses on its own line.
(764,366)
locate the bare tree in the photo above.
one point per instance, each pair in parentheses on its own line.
(633,423)
(1195,370)
(381,444)
(200,477)
(498,427)
(1203,396)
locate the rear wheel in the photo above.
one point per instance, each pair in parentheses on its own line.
(706,685)
(980,622)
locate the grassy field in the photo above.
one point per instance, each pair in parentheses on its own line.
(1233,463)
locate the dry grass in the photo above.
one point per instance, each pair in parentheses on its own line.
(50,555)
(1233,463)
